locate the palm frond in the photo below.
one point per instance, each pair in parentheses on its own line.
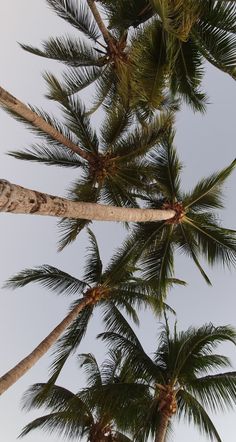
(51,156)
(207,194)
(78,15)
(88,362)
(216,243)
(93,265)
(77,79)
(68,50)
(49,277)
(194,413)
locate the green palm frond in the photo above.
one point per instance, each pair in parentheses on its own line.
(93,265)
(194,413)
(49,277)
(219,14)
(77,79)
(217,391)
(65,423)
(187,244)
(75,116)
(149,66)
(51,156)
(66,49)
(167,168)
(93,374)
(116,122)
(78,15)
(103,87)
(217,244)
(56,398)
(186,74)
(207,194)
(217,46)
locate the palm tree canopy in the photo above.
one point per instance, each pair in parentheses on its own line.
(194,231)
(113,289)
(70,415)
(182,379)
(116,167)
(178,36)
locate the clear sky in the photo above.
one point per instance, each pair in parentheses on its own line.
(205,143)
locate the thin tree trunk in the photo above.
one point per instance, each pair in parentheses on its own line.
(17,199)
(12,103)
(162,428)
(12,376)
(97,17)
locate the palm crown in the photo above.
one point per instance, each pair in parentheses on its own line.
(111,289)
(178,36)
(113,165)
(194,230)
(178,381)
(72,415)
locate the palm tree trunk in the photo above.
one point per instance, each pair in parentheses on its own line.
(12,376)
(162,428)
(17,199)
(8,101)
(97,17)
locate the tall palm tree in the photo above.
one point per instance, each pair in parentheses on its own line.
(111,289)
(69,414)
(182,380)
(100,56)
(194,230)
(176,40)
(113,167)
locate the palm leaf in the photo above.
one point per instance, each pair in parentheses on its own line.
(93,265)
(78,15)
(66,49)
(194,413)
(49,277)
(51,156)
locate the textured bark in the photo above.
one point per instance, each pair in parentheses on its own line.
(161,430)
(12,376)
(17,199)
(8,101)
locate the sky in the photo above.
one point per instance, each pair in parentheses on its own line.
(205,144)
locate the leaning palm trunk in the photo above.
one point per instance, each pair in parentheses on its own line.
(12,376)
(162,428)
(17,199)
(11,103)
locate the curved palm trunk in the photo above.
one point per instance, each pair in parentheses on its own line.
(12,376)
(162,429)
(17,199)
(10,102)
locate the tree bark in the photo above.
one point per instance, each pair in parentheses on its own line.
(161,430)
(17,199)
(12,376)
(12,103)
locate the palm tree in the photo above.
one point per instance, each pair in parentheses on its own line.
(100,56)
(113,164)
(112,288)
(194,230)
(176,40)
(182,380)
(70,414)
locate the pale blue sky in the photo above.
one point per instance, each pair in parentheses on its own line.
(205,143)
